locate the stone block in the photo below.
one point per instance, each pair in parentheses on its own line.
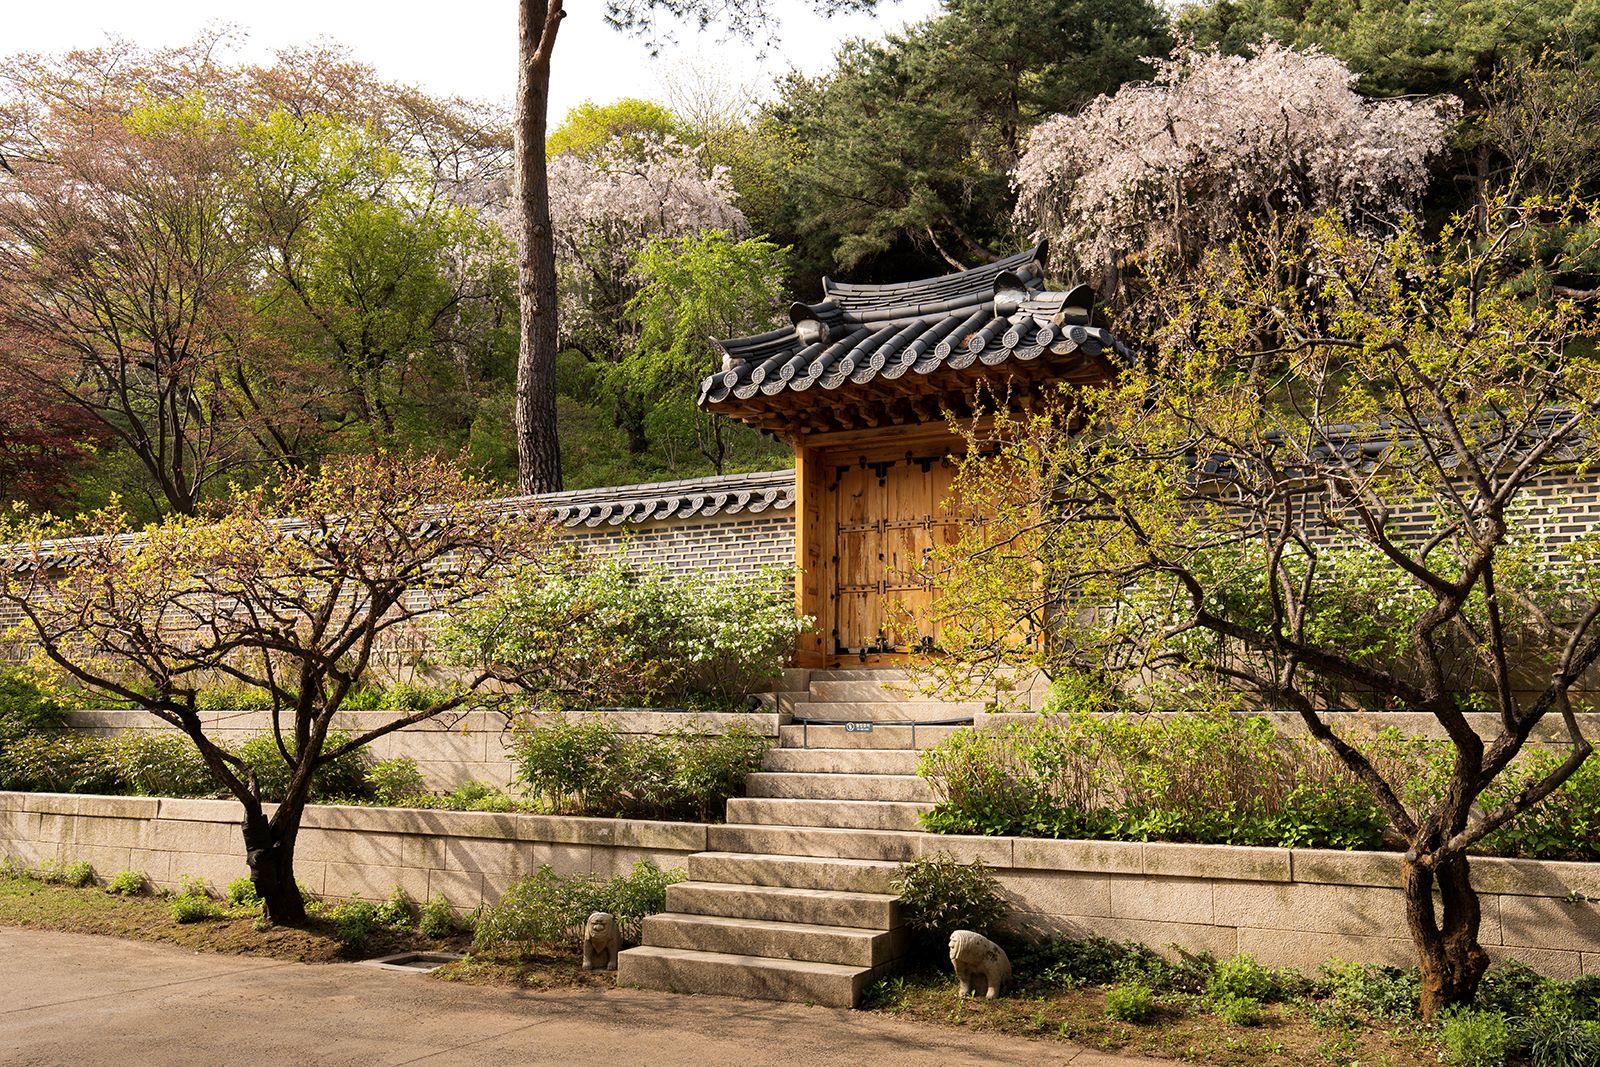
(112,832)
(106,861)
(1100,857)
(1056,892)
(1166,900)
(1535,877)
(1550,962)
(1365,911)
(217,869)
(157,866)
(1221,941)
(219,811)
(661,836)
(1528,922)
(1235,862)
(372,881)
(610,862)
(170,835)
(341,846)
(1346,868)
(993,851)
(463,889)
(564,859)
(1306,952)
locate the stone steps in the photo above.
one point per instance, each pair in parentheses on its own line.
(679,970)
(785,904)
(905,788)
(795,872)
(885,711)
(902,736)
(841,814)
(847,945)
(894,846)
(839,761)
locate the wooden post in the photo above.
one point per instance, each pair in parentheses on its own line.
(811,571)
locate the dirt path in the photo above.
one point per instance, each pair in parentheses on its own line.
(71,999)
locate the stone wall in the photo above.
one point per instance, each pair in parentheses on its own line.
(1287,907)
(466,857)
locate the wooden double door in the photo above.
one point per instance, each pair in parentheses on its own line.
(888,517)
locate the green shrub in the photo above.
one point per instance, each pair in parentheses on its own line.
(940,895)
(192,908)
(436,919)
(548,909)
(477,796)
(242,894)
(582,765)
(1475,1038)
(354,923)
(128,883)
(1242,976)
(392,781)
(604,632)
(1070,962)
(11,867)
(344,778)
(60,763)
(233,697)
(396,912)
(161,765)
(77,874)
(1129,1002)
(1238,1010)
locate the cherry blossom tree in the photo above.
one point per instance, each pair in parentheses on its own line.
(605,212)
(1175,165)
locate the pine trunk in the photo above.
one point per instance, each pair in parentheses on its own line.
(538,450)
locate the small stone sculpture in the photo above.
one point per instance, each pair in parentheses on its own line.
(601,942)
(980,964)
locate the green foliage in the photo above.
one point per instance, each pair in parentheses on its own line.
(58,763)
(233,698)
(187,908)
(341,778)
(614,132)
(27,705)
(398,911)
(548,909)
(1381,992)
(76,874)
(1129,1002)
(1475,1038)
(128,883)
(940,895)
(604,632)
(160,765)
(390,782)
(242,894)
(1556,1041)
(582,765)
(436,919)
(1212,776)
(354,922)
(1237,1010)
(1242,977)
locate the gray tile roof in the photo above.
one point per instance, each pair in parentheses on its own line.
(861,337)
(727,494)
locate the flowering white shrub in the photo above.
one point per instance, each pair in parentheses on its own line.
(1175,164)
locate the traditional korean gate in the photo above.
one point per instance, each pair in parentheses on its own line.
(889,517)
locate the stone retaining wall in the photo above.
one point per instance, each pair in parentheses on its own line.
(1287,907)
(466,857)
(448,751)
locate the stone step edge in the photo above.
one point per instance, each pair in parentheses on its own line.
(772,963)
(864,933)
(784,891)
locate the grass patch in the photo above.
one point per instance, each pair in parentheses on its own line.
(1304,1031)
(39,905)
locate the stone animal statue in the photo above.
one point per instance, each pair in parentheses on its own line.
(601,942)
(981,964)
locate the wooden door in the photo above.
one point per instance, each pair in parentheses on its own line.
(889,518)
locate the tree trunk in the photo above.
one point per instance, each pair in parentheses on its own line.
(1445,932)
(269,850)
(538,451)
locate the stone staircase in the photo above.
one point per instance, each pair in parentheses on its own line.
(793,900)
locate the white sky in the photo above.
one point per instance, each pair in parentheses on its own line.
(461,47)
